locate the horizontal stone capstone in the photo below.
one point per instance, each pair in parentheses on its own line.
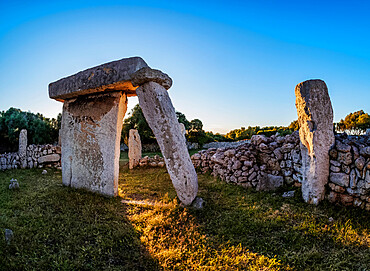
(112,76)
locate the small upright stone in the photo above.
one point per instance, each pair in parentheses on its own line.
(134,148)
(8,236)
(315,117)
(198,203)
(22,150)
(13,184)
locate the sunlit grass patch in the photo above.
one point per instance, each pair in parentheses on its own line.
(246,229)
(145,228)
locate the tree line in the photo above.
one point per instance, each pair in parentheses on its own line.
(42,130)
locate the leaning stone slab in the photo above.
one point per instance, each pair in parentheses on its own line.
(134,148)
(160,115)
(112,76)
(315,117)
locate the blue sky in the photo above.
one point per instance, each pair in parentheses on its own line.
(233,63)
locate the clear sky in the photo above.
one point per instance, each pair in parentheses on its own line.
(233,63)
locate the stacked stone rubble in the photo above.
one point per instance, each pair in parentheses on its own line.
(264,163)
(267,163)
(36,156)
(155,161)
(224,144)
(349,181)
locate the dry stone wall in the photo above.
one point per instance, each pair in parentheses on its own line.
(224,144)
(349,180)
(35,156)
(266,163)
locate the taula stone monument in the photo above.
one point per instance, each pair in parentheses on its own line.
(315,117)
(134,148)
(95,102)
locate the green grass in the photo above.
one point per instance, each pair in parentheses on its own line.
(60,228)
(124,155)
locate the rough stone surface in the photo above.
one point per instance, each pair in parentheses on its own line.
(198,203)
(33,153)
(315,117)
(91,133)
(348,184)
(112,76)
(160,115)
(22,150)
(147,74)
(13,184)
(289,194)
(49,158)
(269,182)
(134,148)
(341,179)
(8,236)
(182,128)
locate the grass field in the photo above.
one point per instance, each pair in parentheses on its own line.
(60,228)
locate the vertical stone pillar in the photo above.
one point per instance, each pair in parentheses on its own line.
(315,117)
(160,115)
(134,148)
(90,138)
(22,149)
(182,128)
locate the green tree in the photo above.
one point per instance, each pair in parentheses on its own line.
(196,124)
(40,130)
(182,119)
(136,120)
(354,123)
(294,125)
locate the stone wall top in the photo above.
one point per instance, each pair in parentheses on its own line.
(112,76)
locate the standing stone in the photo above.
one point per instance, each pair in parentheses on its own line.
(91,133)
(22,150)
(134,148)
(182,128)
(160,115)
(315,117)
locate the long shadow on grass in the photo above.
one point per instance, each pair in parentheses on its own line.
(300,235)
(65,229)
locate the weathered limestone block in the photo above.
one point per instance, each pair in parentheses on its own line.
(134,148)
(112,76)
(22,150)
(146,75)
(160,115)
(90,140)
(49,158)
(315,117)
(268,182)
(182,128)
